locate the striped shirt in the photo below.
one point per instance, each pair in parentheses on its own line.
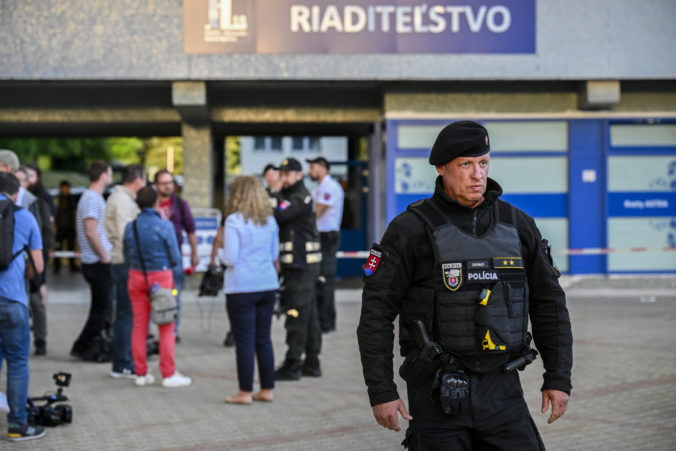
(91,205)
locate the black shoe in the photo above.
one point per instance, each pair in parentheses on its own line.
(289,371)
(18,433)
(229,340)
(40,347)
(312,371)
(103,358)
(311,367)
(79,355)
(177,339)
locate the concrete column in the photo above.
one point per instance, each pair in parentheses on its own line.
(190,100)
(377,186)
(198,188)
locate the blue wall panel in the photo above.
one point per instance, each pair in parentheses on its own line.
(587,210)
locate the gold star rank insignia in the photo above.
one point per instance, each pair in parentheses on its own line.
(508,262)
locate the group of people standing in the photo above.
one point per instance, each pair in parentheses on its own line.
(114,263)
(284,233)
(270,237)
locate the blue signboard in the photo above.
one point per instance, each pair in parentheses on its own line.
(359,26)
(642,204)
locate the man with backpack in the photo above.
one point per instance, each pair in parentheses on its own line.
(37,296)
(19,233)
(9,162)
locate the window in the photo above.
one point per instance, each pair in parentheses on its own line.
(276,143)
(259,143)
(643,135)
(315,145)
(514,136)
(297,143)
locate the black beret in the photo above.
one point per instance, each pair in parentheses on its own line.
(459,139)
(290,164)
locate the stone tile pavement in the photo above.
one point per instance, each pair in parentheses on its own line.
(624,395)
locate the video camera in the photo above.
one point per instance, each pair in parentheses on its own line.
(50,413)
(212,281)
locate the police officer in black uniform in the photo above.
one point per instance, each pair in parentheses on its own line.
(464,271)
(299,256)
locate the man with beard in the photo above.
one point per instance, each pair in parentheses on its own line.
(177,211)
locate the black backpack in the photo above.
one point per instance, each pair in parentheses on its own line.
(7,209)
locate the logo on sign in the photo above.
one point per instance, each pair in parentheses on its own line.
(364,26)
(226,26)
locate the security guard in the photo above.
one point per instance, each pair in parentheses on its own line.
(299,256)
(463,270)
(328,198)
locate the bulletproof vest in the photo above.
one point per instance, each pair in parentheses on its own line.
(299,244)
(479,305)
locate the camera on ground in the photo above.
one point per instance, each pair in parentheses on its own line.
(49,413)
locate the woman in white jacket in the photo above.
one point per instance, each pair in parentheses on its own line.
(250,253)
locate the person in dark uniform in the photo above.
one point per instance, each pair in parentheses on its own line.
(299,256)
(464,271)
(65,225)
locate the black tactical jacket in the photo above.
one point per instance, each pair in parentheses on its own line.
(408,260)
(298,236)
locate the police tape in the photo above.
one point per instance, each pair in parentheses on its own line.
(365,254)
(582,251)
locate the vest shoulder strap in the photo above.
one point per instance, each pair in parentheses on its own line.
(505,213)
(429,213)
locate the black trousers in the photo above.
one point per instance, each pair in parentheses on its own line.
(330,242)
(497,419)
(100,280)
(302,321)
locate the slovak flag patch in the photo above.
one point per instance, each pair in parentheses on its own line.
(372,263)
(283,205)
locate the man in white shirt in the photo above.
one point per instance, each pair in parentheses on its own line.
(328,199)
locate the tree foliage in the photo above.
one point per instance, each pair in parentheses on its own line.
(74,154)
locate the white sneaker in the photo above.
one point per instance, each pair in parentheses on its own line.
(148,379)
(175,381)
(124,374)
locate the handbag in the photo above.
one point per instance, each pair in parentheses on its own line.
(162,300)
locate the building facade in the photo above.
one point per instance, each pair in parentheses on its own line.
(579,97)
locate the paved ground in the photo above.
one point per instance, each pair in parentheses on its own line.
(624,395)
